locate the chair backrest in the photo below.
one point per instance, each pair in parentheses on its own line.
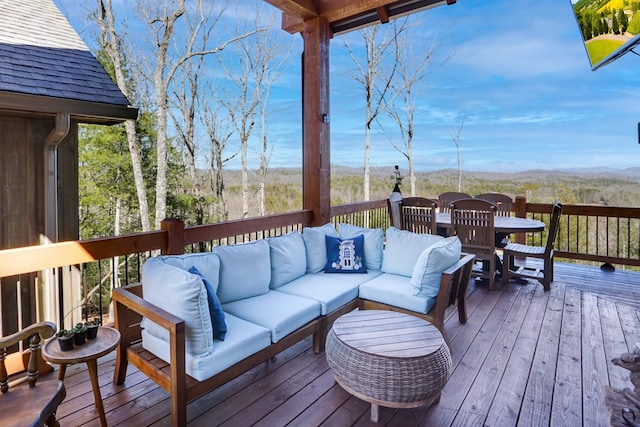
(502,201)
(473,221)
(554,226)
(418,215)
(445,199)
(34,333)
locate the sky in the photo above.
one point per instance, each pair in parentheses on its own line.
(518,80)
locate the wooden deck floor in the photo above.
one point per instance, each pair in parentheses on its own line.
(526,357)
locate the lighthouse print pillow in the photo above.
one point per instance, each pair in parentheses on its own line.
(345,255)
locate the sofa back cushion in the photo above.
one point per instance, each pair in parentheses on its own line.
(182,294)
(403,249)
(245,270)
(373,243)
(431,263)
(316,247)
(288,258)
(207,263)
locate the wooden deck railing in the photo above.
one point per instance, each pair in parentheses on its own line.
(587,233)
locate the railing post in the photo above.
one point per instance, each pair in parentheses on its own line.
(520,209)
(175,236)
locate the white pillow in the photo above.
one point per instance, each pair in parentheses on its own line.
(182,294)
(245,270)
(207,263)
(288,258)
(431,263)
(373,243)
(316,247)
(403,249)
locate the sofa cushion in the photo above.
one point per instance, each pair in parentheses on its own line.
(288,258)
(395,290)
(345,255)
(431,263)
(331,292)
(373,243)
(403,249)
(182,294)
(279,312)
(245,270)
(215,308)
(243,339)
(207,263)
(315,246)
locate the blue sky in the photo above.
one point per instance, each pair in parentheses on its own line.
(519,75)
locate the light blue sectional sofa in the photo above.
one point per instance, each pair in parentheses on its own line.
(215,315)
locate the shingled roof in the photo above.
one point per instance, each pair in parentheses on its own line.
(45,67)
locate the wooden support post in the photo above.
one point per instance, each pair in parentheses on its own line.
(175,236)
(316,141)
(520,208)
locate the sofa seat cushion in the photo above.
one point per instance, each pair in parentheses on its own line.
(243,339)
(279,312)
(329,292)
(182,294)
(395,290)
(245,270)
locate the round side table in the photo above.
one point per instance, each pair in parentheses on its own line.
(89,352)
(389,359)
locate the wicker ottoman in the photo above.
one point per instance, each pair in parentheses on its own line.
(389,359)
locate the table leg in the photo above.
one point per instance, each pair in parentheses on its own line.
(61,371)
(92,366)
(375,411)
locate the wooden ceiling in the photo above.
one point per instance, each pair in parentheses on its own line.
(347,15)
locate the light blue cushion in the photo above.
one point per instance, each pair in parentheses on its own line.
(288,258)
(395,290)
(331,292)
(403,249)
(245,270)
(215,308)
(373,243)
(431,263)
(279,312)
(345,255)
(316,247)
(182,294)
(207,263)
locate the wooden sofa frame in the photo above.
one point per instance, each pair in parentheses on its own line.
(130,307)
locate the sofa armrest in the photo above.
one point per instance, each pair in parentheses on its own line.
(453,286)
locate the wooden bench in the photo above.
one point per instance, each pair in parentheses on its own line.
(130,307)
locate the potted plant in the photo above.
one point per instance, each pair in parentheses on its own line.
(79,333)
(65,339)
(92,328)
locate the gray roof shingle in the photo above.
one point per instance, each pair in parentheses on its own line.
(41,54)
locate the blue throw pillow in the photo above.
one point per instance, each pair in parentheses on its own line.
(345,255)
(215,308)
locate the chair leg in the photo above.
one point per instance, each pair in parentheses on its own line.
(52,421)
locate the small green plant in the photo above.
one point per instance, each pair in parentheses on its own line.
(80,327)
(64,333)
(93,322)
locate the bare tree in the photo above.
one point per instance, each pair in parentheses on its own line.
(415,63)
(112,43)
(456,140)
(375,84)
(247,96)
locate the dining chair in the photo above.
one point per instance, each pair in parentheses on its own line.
(445,199)
(26,404)
(502,201)
(473,221)
(418,215)
(503,205)
(545,274)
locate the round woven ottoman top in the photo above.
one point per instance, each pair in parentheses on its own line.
(388,358)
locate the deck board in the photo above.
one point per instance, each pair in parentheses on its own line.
(525,357)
